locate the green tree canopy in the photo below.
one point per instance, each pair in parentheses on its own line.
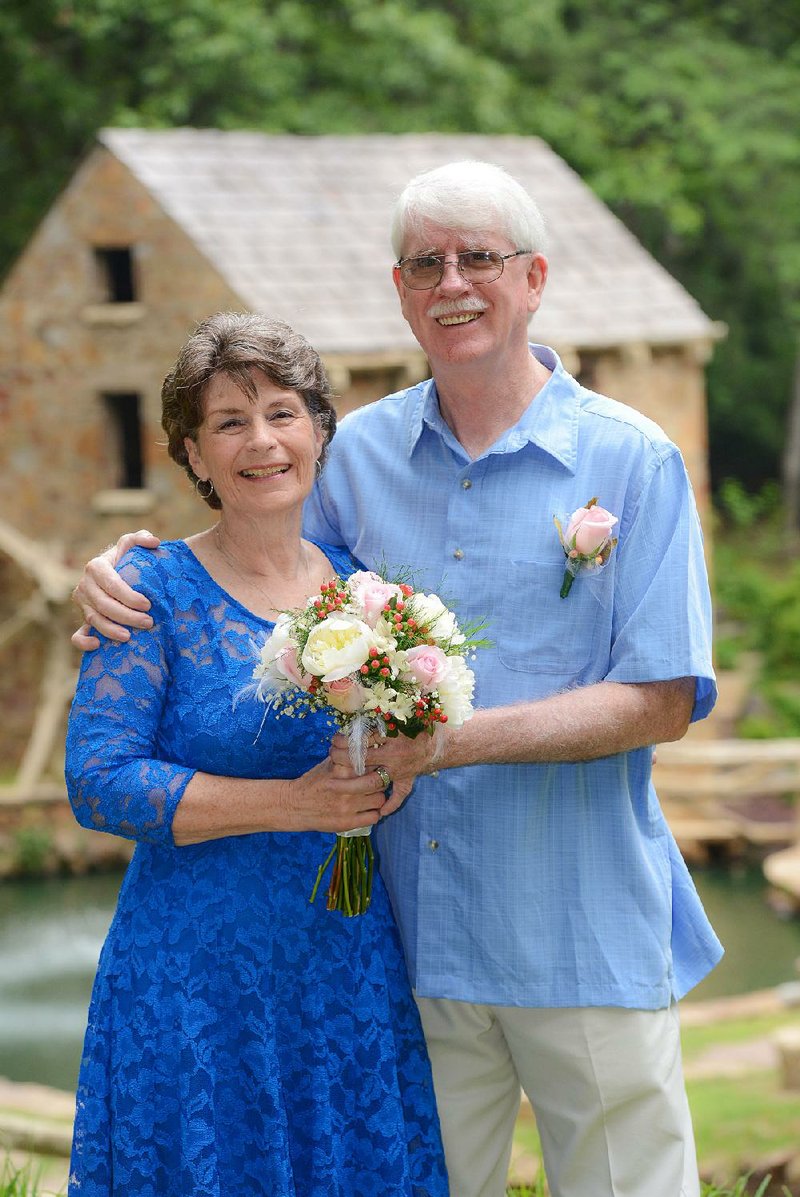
(680,115)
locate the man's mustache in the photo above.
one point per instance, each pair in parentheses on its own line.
(452,307)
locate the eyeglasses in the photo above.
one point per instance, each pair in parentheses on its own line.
(475,265)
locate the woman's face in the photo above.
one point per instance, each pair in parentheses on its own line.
(260,454)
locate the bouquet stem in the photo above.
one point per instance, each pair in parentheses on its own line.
(350,886)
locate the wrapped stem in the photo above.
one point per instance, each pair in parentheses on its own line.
(350,887)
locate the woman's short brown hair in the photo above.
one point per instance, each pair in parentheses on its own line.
(234,343)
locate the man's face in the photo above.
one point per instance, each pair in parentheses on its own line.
(458,321)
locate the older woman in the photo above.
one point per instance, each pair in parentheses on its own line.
(240,1040)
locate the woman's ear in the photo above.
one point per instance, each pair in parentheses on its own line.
(193,453)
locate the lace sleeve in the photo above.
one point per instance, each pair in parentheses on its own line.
(115,779)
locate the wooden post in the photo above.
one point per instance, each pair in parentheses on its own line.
(787,1042)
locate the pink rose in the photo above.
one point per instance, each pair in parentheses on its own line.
(287,664)
(591,528)
(346,694)
(428,665)
(372,594)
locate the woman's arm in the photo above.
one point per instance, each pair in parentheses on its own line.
(117,782)
(326,798)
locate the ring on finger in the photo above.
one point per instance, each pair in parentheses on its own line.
(386,779)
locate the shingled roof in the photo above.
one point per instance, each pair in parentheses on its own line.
(299,228)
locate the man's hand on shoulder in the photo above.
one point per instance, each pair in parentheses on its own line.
(109,605)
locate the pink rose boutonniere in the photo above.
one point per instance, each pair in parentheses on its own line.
(587,541)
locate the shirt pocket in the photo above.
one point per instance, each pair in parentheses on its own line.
(539,632)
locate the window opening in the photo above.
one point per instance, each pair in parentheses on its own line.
(115,267)
(124,410)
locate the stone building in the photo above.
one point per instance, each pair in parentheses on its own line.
(157,229)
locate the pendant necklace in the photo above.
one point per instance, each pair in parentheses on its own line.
(247,581)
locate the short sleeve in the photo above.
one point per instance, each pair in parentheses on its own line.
(319,517)
(662,605)
(115,778)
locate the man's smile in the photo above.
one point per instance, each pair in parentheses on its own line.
(462,318)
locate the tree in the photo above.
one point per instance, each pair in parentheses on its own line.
(681,115)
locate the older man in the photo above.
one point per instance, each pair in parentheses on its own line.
(549,922)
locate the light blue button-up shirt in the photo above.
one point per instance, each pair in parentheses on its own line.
(537,885)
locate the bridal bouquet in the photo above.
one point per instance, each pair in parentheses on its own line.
(381,658)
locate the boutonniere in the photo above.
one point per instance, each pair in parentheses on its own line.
(587,542)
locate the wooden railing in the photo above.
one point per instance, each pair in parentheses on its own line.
(701,784)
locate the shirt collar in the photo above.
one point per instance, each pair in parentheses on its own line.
(550,420)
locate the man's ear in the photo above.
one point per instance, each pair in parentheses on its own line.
(537,277)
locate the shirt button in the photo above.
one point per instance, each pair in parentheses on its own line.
(458,554)
(466,484)
(433,845)
(434,773)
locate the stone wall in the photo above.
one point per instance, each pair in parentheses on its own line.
(668,385)
(62,350)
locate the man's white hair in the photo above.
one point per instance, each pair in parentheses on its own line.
(470,196)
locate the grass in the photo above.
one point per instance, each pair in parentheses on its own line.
(22,1181)
(739,1120)
(739,1190)
(25,1182)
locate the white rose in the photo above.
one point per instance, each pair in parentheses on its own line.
(337,646)
(455,692)
(430,612)
(268,666)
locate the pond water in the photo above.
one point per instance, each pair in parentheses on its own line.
(51,933)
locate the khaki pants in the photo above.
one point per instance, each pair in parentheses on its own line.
(606,1085)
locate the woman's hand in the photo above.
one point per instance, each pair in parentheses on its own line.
(106,601)
(403,759)
(332,797)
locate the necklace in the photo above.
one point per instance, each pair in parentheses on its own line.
(248,581)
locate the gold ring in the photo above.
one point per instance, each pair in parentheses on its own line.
(384,775)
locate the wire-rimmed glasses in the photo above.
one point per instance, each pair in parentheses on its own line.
(475,265)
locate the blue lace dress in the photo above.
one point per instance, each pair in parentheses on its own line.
(241,1042)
